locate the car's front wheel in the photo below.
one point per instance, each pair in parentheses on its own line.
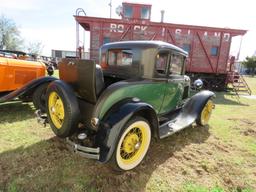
(133,144)
(205,114)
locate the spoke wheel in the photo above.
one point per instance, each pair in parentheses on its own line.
(62,109)
(206,113)
(56,109)
(133,144)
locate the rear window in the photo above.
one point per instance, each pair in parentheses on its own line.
(120,57)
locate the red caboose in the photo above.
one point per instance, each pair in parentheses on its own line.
(208,47)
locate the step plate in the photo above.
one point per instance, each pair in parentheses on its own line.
(175,125)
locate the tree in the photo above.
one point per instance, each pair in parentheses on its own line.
(9,35)
(250,64)
(34,48)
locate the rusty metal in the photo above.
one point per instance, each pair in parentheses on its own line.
(205,51)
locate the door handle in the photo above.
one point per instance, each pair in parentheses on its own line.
(171,81)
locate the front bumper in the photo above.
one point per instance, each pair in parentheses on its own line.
(88,152)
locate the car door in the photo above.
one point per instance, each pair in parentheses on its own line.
(175,82)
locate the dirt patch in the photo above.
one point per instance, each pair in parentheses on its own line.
(249,132)
(243,121)
(248,126)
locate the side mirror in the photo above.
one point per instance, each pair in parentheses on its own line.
(198,84)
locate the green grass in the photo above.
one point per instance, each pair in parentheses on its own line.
(56,73)
(217,158)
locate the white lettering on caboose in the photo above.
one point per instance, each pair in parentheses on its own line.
(120,28)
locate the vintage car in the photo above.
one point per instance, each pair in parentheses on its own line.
(111,111)
(16,71)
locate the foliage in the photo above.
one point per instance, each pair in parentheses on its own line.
(34,48)
(250,63)
(9,35)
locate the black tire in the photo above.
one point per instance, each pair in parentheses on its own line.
(119,159)
(68,125)
(39,97)
(201,119)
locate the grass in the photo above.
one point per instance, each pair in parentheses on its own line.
(220,157)
(56,73)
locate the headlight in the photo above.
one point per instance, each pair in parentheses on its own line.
(94,122)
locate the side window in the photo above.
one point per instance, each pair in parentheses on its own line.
(214,51)
(120,57)
(144,13)
(186,47)
(106,40)
(128,11)
(161,63)
(176,64)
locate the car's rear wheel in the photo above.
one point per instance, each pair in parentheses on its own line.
(133,144)
(62,109)
(205,114)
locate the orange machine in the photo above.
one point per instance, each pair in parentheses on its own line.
(14,73)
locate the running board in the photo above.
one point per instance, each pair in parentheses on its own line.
(180,122)
(186,116)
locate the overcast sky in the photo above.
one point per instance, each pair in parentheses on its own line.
(51,22)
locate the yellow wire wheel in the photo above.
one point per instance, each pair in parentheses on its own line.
(56,109)
(133,144)
(206,112)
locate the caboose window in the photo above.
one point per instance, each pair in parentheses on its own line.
(214,51)
(128,11)
(186,47)
(144,13)
(106,40)
(120,57)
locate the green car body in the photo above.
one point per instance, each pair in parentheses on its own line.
(141,85)
(162,91)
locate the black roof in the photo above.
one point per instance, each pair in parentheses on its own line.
(143,61)
(13,52)
(143,44)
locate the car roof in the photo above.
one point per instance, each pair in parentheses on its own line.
(13,52)
(143,44)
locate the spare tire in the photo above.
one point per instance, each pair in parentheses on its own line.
(62,109)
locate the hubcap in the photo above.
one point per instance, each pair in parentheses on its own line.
(130,143)
(56,109)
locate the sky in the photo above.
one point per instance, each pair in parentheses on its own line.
(51,22)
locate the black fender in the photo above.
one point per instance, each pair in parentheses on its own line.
(27,88)
(195,104)
(112,124)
